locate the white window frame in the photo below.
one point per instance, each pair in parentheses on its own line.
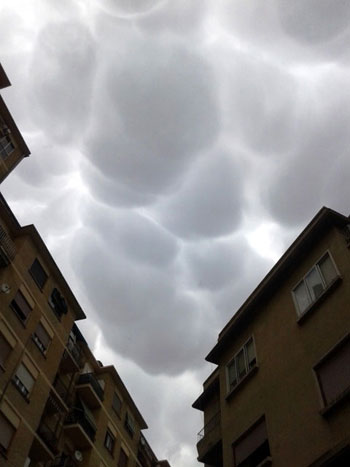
(233,360)
(303,280)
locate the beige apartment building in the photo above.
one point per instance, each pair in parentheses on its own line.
(59,406)
(12,145)
(280,392)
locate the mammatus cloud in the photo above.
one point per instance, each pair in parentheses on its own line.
(168,139)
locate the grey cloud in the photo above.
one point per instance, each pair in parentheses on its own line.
(154,115)
(314,21)
(262,101)
(209,203)
(128,8)
(61,79)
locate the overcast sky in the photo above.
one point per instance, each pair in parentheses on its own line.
(178,147)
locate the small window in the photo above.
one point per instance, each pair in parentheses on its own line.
(317,280)
(58,303)
(130,424)
(242,363)
(109,441)
(7,432)
(24,381)
(21,307)
(6,147)
(252,448)
(41,338)
(333,373)
(5,350)
(117,404)
(38,274)
(123,458)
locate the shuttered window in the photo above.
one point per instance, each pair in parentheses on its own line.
(24,380)
(333,372)
(41,338)
(7,432)
(253,447)
(5,350)
(38,274)
(123,458)
(117,403)
(20,306)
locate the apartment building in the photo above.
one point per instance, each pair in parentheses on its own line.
(59,406)
(12,145)
(280,392)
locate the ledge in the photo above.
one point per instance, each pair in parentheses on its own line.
(242,381)
(311,308)
(325,411)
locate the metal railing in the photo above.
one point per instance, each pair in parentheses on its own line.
(74,351)
(210,426)
(61,389)
(89,378)
(63,461)
(7,247)
(78,416)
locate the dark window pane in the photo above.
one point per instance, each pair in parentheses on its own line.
(253,446)
(6,432)
(123,459)
(20,305)
(38,274)
(117,403)
(5,349)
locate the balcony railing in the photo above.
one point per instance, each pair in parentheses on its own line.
(48,436)
(213,423)
(78,417)
(89,378)
(7,248)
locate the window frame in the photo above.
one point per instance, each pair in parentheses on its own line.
(38,342)
(4,152)
(2,364)
(248,369)
(20,386)
(315,266)
(327,406)
(40,286)
(130,424)
(4,450)
(110,437)
(13,306)
(116,395)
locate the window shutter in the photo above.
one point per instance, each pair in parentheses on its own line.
(123,459)
(25,377)
(5,349)
(38,273)
(43,335)
(334,373)
(250,442)
(6,432)
(22,305)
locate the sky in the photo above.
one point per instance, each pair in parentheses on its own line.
(178,148)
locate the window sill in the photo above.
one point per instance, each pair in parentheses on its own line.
(339,400)
(241,383)
(311,308)
(265,462)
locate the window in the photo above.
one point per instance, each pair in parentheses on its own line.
(130,424)
(117,404)
(333,372)
(241,364)
(123,458)
(21,307)
(58,303)
(41,338)
(109,441)
(38,274)
(7,432)
(5,350)
(24,381)
(317,280)
(6,147)
(252,448)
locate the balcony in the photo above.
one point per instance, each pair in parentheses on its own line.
(48,436)
(71,359)
(90,390)
(80,429)
(209,445)
(58,400)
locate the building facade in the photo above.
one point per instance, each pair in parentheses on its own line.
(59,406)
(12,145)
(280,393)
